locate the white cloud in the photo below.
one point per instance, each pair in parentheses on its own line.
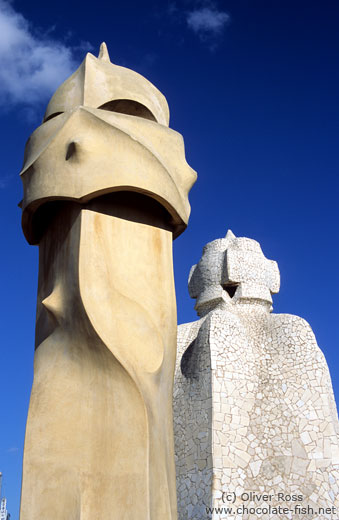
(31,67)
(207,21)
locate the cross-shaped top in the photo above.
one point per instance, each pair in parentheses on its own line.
(234,270)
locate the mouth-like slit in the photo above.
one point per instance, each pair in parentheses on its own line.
(133,206)
(128,205)
(230,288)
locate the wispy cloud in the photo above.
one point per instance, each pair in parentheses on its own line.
(5,180)
(207,21)
(13,449)
(203,17)
(31,66)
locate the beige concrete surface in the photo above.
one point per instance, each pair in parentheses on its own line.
(87,152)
(104,194)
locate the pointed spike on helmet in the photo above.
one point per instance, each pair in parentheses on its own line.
(230,235)
(103,53)
(83,88)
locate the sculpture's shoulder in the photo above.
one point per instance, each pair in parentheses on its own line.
(222,318)
(187,333)
(296,338)
(221,326)
(215,320)
(291,326)
(187,330)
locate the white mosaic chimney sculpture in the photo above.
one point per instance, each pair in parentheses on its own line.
(254,410)
(105,190)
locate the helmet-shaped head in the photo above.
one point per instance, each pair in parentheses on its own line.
(105,130)
(232,270)
(99,83)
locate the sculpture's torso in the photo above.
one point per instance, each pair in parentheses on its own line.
(100,409)
(254,413)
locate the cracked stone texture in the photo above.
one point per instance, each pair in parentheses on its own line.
(254,409)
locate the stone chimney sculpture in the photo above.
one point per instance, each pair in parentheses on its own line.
(105,191)
(255,420)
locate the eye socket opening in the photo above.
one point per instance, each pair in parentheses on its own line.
(130,107)
(52,115)
(230,289)
(121,106)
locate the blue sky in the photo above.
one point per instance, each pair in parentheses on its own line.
(253,88)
